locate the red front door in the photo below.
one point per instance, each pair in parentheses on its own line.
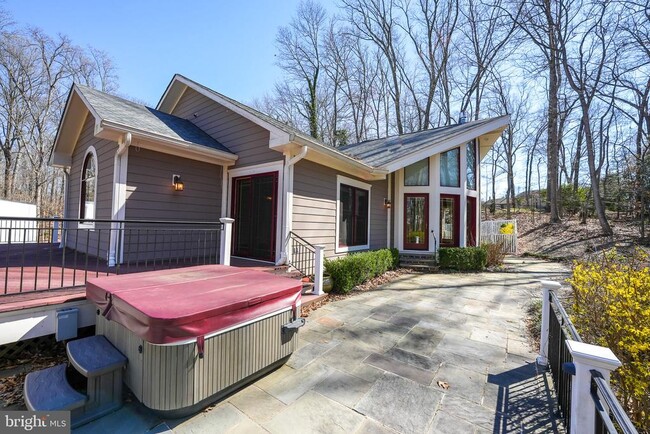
(471,222)
(255,212)
(449,220)
(416,221)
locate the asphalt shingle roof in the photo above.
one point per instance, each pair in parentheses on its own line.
(137,116)
(377,153)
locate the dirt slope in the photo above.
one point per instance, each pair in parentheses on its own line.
(570,239)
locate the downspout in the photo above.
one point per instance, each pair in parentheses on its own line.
(66,190)
(288,202)
(119,194)
(389,211)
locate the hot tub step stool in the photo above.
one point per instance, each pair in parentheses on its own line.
(48,390)
(97,360)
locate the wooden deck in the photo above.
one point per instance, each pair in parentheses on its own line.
(39,282)
(35,267)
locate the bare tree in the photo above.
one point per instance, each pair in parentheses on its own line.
(430,26)
(375,21)
(36,72)
(539,19)
(585,51)
(299,54)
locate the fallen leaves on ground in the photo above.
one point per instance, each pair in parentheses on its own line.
(11,386)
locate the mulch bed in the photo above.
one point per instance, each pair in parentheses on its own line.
(369,285)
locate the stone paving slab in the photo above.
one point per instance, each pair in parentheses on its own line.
(401,404)
(371,364)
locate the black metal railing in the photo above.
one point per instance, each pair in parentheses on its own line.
(303,255)
(51,253)
(608,407)
(560,329)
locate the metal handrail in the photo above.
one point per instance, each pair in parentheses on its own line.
(302,260)
(599,384)
(304,241)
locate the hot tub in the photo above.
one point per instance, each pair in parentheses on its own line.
(194,335)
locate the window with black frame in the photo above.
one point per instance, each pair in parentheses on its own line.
(353,216)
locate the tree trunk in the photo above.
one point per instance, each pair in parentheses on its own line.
(594,177)
(552,148)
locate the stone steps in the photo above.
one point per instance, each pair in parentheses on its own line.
(422,262)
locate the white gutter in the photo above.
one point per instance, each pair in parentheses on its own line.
(340,156)
(287,188)
(389,210)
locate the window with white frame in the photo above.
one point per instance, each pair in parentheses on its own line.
(353,214)
(88,198)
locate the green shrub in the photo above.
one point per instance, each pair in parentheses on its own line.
(354,269)
(463,258)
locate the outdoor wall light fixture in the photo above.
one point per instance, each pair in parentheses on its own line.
(387,203)
(177,183)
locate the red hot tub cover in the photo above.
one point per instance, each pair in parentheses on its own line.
(169,306)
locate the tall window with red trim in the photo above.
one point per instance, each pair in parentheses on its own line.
(353,216)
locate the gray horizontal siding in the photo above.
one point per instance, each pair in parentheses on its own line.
(81,240)
(243,137)
(314,206)
(149,188)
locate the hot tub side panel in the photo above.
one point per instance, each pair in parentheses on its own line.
(129,344)
(240,353)
(172,378)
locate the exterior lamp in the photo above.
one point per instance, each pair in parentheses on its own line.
(177,183)
(387,203)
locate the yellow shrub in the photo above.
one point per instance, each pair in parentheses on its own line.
(612,308)
(507,229)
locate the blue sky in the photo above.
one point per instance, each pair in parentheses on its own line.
(226,45)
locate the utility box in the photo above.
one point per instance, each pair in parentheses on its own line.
(66,323)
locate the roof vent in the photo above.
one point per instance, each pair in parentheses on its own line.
(462,118)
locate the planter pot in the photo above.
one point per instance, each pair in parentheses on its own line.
(328,283)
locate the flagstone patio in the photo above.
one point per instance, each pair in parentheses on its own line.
(427,353)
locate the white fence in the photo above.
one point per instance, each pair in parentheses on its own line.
(20,231)
(491,233)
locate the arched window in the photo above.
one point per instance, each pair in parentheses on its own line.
(88,187)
